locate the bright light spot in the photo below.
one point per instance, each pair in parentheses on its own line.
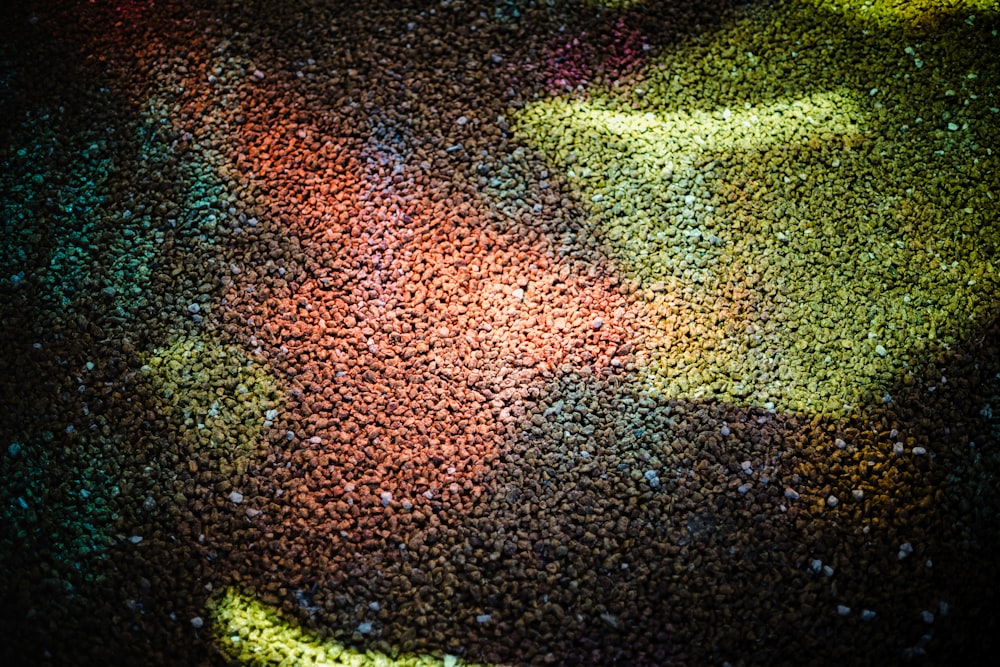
(649,135)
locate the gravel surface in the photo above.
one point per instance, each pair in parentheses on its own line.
(499,332)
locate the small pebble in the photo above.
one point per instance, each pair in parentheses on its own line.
(867,614)
(905,549)
(197,622)
(791,493)
(725,431)
(843,610)
(858,494)
(927,616)
(918,451)
(235,497)
(832,501)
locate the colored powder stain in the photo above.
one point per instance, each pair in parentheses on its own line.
(65,522)
(95,245)
(573,63)
(904,13)
(728,206)
(216,397)
(252,633)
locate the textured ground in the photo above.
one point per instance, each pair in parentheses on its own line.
(500,332)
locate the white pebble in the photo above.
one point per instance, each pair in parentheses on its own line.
(257,74)
(235,497)
(839,443)
(858,494)
(843,610)
(832,501)
(816,565)
(927,616)
(867,614)
(905,549)
(827,571)
(135,539)
(197,622)
(365,628)
(386,498)
(725,430)
(483,618)
(597,323)
(918,451)
(880,351)
(791,493)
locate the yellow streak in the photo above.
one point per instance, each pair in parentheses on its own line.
(252,633)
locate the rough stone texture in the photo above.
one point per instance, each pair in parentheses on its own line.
(515,332)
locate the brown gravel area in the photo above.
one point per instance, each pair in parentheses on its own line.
(332,304)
